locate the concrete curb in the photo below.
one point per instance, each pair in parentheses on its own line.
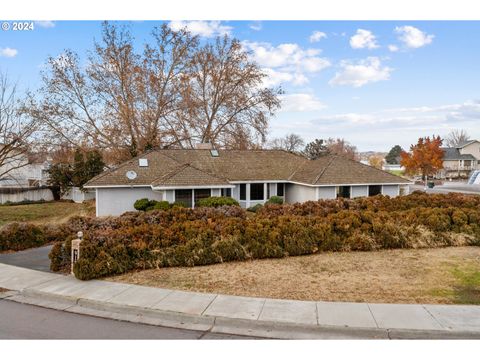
(219,324)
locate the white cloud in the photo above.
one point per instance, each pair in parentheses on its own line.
(256,26)
(361,73)
(412,37)
(380,130)
(393,48)
(363,39)
(275,78)
(202,28)
(317,36)
(45,24)
(286,62)
(8,52)
(300,102)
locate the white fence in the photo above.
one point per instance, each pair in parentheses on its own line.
(15,195)
(78,195)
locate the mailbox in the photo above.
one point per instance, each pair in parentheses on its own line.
(76,249)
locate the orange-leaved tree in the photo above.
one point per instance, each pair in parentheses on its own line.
(425,157)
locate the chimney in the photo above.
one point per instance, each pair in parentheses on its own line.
(203,146)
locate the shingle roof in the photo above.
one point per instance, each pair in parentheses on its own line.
(454,154)
(199,167)
(186,175)
(334,169)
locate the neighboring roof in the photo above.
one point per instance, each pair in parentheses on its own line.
(465,143)
(168,168)
(454,154)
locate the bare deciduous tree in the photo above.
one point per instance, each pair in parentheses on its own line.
(341,147)
(15,130)
(456,137)
(224,102)
(173,93)
(290,142)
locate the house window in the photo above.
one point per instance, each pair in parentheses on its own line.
(227,192)
(343,192)
(201,194)
(256,192)
(374,190)
(280,189)
(243,191)
(184,197)
(268,191)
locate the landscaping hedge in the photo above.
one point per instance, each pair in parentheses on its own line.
(202,236)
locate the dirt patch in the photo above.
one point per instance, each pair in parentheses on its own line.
(445,275)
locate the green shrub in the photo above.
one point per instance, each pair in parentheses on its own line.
(162,205)
(275,200)
(142,204)
(178,204)
(255,208)
(216,201)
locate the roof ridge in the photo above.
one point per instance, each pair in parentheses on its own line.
(372,167)
(325,168)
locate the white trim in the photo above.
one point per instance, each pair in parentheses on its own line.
(237,183)
(96,202)
(257,181)
(114,186)
(336,184)
(193,187)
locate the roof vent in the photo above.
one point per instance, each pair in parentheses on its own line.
(203,146)
(143,162)
(214,153)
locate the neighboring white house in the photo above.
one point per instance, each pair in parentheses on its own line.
(23,173)
(249,176)
(460,161)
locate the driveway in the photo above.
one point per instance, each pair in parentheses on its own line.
(35,259)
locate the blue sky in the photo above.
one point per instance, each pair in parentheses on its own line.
(376,83)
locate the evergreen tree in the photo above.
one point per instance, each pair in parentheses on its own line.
(393,156)
(315,149)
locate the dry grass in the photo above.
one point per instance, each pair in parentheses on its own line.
(442,275)
(49,212)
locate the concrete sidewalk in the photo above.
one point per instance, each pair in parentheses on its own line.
(260,317)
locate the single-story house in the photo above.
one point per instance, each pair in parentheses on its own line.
(249,176)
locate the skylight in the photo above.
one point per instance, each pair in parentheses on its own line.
(214,153)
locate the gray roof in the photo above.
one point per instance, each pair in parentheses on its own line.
(454,154)
(169,168)
(464,143)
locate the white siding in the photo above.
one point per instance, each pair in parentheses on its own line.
(359,191)
(116,201)
(216,192)
(299,193)
(169,196)
(390,190)
(326,192)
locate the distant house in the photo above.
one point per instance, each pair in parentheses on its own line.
(20,171)
(460,161)
(249,176)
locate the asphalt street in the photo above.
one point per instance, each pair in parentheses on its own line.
(35,259)
(20,321)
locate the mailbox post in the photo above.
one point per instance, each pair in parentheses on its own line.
(76,249)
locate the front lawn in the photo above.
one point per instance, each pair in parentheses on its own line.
(44,213)
(443,275)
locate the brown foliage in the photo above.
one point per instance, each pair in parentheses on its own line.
(425,157)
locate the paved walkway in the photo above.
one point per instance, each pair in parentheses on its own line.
(238,315)
(35,259)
